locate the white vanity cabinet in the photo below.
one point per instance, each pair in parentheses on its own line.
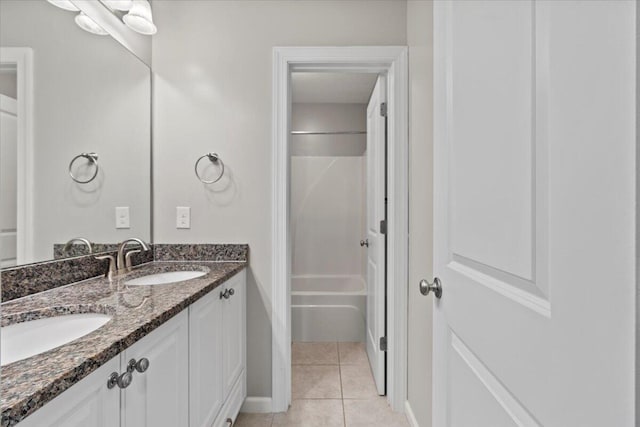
(195,377)
(234,354)
(159,396)
(217,355)
(87,404)
(205,360)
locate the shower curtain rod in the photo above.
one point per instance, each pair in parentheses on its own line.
(311,132)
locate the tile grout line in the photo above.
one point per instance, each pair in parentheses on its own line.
(344,415)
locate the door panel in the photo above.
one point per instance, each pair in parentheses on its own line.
(159,397)
(534,247)
(233,336)
(89,403)
(376,190)
(205,360)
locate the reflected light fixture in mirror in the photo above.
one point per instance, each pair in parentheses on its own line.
(123,5)
(89,25)
(64,4)
(139,18)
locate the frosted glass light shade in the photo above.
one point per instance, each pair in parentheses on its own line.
(139,18)
(89,25)
(64,4)
(123,5)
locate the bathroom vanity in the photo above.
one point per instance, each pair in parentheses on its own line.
(162,344)
(172,354)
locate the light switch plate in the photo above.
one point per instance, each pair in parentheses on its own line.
(122,217)
(183,217)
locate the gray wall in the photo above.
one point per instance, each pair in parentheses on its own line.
(212,62)
(420,40)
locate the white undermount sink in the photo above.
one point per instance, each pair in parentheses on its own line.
(165,278)
(26,339)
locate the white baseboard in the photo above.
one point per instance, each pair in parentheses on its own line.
(410,416)
(256,405)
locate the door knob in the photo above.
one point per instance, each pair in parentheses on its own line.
(140,365)
(123,381)
(364,242)
(435,287)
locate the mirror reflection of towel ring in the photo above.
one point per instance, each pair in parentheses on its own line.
(92,158)
(214,158)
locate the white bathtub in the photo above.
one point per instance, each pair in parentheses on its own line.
(328,308)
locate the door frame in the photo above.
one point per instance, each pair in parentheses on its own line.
(389,60)
(22,59)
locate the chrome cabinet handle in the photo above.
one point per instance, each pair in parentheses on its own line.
(364,242)
(229,421)
(435,287)
(141,365)
(227,293)
(123,380)
(232,292)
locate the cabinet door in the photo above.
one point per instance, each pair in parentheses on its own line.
(233,335)
(89,403)
(205,360)
(159,397)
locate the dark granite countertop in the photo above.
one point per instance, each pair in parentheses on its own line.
(28,384)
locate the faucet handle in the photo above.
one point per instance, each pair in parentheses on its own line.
(112,265)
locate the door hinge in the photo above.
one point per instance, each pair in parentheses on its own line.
(383,109)
(383,226)
(383,343)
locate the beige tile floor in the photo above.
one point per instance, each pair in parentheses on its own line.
(332,385)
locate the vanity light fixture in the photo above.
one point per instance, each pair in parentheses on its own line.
(64,4)
(139,18)
(89,24)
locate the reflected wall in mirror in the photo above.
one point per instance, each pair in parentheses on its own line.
(65,93)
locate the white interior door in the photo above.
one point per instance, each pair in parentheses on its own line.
(8,181)
(376,190)
(534,213)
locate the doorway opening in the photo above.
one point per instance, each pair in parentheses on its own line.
(338,241)
(16,155)
(298,269)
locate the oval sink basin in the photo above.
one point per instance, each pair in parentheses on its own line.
(27,339)
(165,278)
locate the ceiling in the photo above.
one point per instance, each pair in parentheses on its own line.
(339,88)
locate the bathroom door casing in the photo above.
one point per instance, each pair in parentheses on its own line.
(535,193)
(376,250)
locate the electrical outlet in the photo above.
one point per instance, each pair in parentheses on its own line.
(183,217)
(122,217)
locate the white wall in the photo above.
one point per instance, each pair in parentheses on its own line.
(212,92)
(420,40)
(328,191)
(90,94)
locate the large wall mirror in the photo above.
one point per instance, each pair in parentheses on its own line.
(75,111)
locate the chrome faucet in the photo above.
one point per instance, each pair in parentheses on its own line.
(82,240)
(124,262)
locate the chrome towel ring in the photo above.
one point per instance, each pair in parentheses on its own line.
(92,158)
(213,158)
